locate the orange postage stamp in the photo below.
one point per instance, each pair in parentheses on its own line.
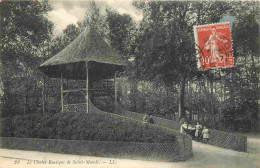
(214,46)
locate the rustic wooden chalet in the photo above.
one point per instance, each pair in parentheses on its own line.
(88,58)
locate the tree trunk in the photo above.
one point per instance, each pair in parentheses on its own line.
(181,99)
(26,98)
(190,115)
(255,79)
(211,87)
(231,89)
(43,96)
(134,96)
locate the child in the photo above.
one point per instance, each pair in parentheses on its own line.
(205,134)
(198,128)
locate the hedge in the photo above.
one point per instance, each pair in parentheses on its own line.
(82,126)
(130,150)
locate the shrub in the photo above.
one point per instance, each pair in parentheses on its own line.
(7,127)
(93,127)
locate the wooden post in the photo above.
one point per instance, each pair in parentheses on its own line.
(43,96)
(87,109)
(61,94)
(181,99)
(115,93)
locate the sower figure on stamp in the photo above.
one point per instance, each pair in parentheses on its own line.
(213,45)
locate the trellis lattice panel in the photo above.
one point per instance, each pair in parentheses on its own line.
(77,108)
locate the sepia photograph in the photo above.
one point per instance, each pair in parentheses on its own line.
(129,84)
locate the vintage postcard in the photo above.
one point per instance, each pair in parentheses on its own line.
(129,84)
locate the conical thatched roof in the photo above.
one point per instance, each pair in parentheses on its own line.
(89,47)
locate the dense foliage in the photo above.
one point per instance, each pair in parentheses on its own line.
(164,56)
(24,33)
(162,74)
(94,127)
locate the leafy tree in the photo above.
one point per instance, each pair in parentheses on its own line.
(24,29)
(244,78)
(94,19)
(164,49)
(119,30)
(69,34)
(164,45)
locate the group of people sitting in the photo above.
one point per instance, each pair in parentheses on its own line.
(198,131)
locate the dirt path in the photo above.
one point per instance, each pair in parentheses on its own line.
(205,156)
(210,156)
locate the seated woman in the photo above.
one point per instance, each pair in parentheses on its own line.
(190,130)
(183,126)
(145,118)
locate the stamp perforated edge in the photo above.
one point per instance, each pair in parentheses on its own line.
(197,46)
